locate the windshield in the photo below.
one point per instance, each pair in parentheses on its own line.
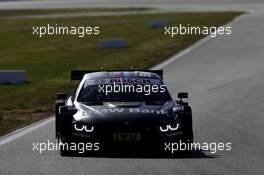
(149,91)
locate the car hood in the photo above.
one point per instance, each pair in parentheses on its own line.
(123,112)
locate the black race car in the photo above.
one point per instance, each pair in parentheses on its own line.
(121,109)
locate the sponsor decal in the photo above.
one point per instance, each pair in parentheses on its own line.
(121,110)
(123,80)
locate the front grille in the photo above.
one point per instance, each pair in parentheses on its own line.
(124,126)
(106,131)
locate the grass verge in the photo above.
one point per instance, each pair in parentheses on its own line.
(11,13)
(48,60)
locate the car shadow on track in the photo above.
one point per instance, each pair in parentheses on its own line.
(197,154)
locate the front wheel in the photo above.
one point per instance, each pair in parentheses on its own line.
(64,147)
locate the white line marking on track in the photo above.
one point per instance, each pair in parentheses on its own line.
(23,131)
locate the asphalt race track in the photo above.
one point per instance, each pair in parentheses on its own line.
(225,79)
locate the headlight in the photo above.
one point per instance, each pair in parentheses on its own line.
(81,127)
(89,128)
(164,128)
(174,127)
(171,127)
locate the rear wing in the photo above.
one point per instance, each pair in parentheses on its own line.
(78,74)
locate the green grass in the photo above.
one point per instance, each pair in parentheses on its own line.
(48,60)
(10,13)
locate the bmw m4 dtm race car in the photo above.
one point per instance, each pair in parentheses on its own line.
(122,109)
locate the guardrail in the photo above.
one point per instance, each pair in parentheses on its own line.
(13,76)
(112,43)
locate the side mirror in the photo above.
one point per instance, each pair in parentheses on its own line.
(61,96)
(182,95)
